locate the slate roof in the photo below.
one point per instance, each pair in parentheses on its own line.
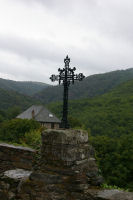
(41,114)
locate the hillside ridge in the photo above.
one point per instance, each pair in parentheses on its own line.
(91,86)
(24,87)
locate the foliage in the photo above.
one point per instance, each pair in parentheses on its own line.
(13,112)
(2,115)
(23,87)
(9,99)
(106,186)
(10,113)
(115,159)
(15,130)
(32,139)
(74,122)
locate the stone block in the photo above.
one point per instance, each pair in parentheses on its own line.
(68,153)
(46,178)
(107,194)
(12,157)
(70,137)
(9,182)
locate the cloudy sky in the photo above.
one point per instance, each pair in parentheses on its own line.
(36,35)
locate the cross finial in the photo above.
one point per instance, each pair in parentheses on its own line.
(67,61)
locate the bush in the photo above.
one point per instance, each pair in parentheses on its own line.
(74,122)
(115,159)
(15,130)
(32,139)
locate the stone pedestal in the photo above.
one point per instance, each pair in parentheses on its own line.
(67,166)
(67,153)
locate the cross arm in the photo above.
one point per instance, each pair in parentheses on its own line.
(54,77)
(79,77)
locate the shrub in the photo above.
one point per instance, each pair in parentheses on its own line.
(14,130)
(32,139)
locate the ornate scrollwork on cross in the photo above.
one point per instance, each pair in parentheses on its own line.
(66,76)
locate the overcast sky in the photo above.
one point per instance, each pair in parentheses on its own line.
(36,35)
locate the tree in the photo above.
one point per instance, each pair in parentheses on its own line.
(14,130)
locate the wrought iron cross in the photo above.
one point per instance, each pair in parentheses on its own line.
(66,76)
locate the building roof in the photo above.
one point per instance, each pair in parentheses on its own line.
(41,114)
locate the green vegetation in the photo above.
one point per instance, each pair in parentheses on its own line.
(10,113)
(106,186)
(9,99)
(115,158)
(21,131)
(24,87)
(32,138)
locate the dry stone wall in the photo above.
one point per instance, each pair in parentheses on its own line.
(12,157)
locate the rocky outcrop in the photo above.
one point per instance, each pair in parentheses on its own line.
(66,171)
(12,157)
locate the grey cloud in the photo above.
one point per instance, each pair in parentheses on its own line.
(110,18)
(62,3)
(24,73)
(51,57)
(47,51)
(112,48)
(30,49)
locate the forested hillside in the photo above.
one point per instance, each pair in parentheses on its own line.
(23,87)
(91,86)
(9,99)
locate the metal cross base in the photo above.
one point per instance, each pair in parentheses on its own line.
(66,76)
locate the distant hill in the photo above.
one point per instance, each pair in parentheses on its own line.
(91,86)
(109,114)
(23,87)
(88,109)
(10,98)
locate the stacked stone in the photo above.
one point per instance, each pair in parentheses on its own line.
(67,166)
(67,152)
(10,182)
(12,157)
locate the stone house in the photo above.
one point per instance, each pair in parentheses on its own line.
(42,115)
